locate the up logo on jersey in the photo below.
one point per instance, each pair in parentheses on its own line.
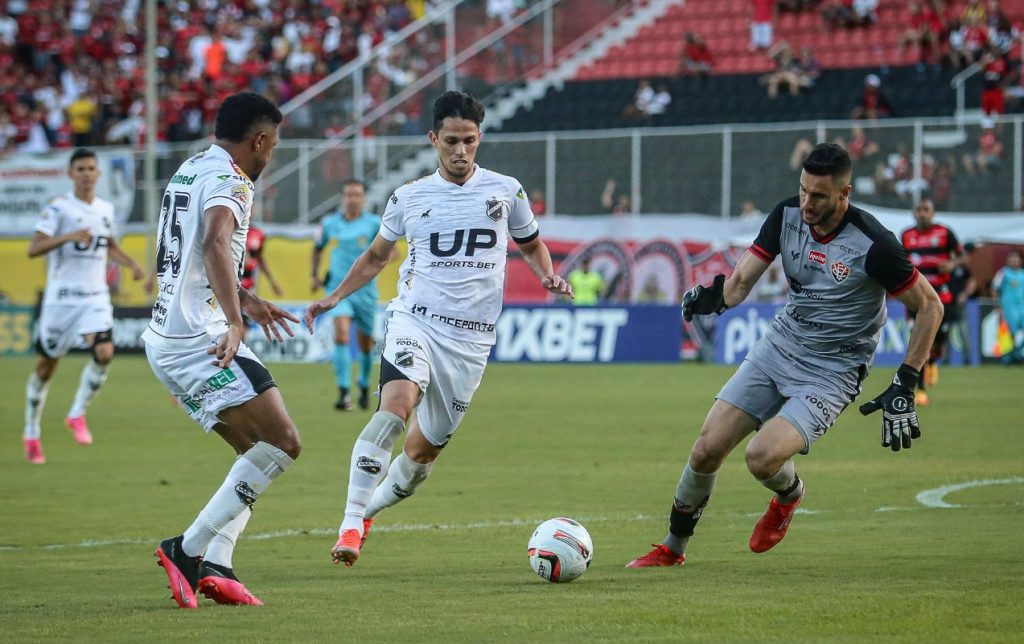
(496,208)
(97,242)
(840,271)
(478,239)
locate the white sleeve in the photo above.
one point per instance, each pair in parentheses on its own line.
(392,224)
(49,220)
(234,193)
(522,225)
(997,281)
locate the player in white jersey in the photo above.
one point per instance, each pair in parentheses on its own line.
(441,325)
(204,218)
(76,233)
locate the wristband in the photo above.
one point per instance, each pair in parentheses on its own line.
(907,376)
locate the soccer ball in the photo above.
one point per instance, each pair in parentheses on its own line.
(560,550)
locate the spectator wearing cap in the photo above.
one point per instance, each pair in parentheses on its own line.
(873,103)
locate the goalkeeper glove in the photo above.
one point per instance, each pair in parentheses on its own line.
(899,418)
(704,300)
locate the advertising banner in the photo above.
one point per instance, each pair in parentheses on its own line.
(588,334)
(739,328)
(29,182)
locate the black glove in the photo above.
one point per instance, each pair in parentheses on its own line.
(899,418)
(705,300)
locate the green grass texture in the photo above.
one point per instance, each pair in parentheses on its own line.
(865,560)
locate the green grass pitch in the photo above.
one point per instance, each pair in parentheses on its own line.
(604,444)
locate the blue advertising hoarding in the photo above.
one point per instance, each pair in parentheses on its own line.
(647,333)
(739,328)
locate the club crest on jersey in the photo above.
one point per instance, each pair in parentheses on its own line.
(240,193)
(840,271)
(496,209)
(817,257)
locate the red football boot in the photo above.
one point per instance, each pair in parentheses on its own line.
(220,584)
(662,555)
(773,525)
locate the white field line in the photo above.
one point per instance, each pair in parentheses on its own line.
(928,498)
(936,497)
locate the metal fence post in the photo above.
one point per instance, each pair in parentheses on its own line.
(304,182)
(726,172)
(449,50)
(918,158)
(634,172)
(549,37)
(549,172)
(1018,163)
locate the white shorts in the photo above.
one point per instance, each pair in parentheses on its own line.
(61,326)
(447,371)
(205,390)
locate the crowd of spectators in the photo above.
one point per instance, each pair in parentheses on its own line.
(72,71)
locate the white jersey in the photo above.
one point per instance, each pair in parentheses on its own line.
(76,273)
(186,313)
(454,275)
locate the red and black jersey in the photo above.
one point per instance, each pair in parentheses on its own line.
(930,248)
(253,247)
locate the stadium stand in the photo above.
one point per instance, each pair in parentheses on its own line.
(71,71)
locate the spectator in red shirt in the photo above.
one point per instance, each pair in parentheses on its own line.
(922,31)
(761,24)
(537,202)
(996,69)
(696,58)
(873,105)
(990,149)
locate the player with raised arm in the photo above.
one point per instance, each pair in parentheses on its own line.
(194,342)
(440,327)
(76,233)
(351,229)
(809,366)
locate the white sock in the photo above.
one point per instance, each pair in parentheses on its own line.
(248,478)
(371,456)
(223,545)
(369,465)
(404,476)
(35,399)
(93,376)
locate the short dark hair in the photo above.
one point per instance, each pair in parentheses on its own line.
(457,105)
(79,154)
(241,112)
(352,181)
(828,159)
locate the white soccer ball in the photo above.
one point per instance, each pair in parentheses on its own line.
(560,550)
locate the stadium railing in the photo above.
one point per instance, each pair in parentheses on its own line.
(709,170)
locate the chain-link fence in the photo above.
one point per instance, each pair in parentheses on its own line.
(963,167)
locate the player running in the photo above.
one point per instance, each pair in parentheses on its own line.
(76,233)
(440,327)
(799,377)
(194,342)
(351,229)
(934,251)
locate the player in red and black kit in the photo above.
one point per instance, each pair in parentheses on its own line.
(254,261)
(934,251)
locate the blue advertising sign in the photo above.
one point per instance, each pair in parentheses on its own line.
(649,333)
(740,327)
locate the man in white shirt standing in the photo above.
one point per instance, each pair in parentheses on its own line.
(194,342)
(76,233)
(440,327)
